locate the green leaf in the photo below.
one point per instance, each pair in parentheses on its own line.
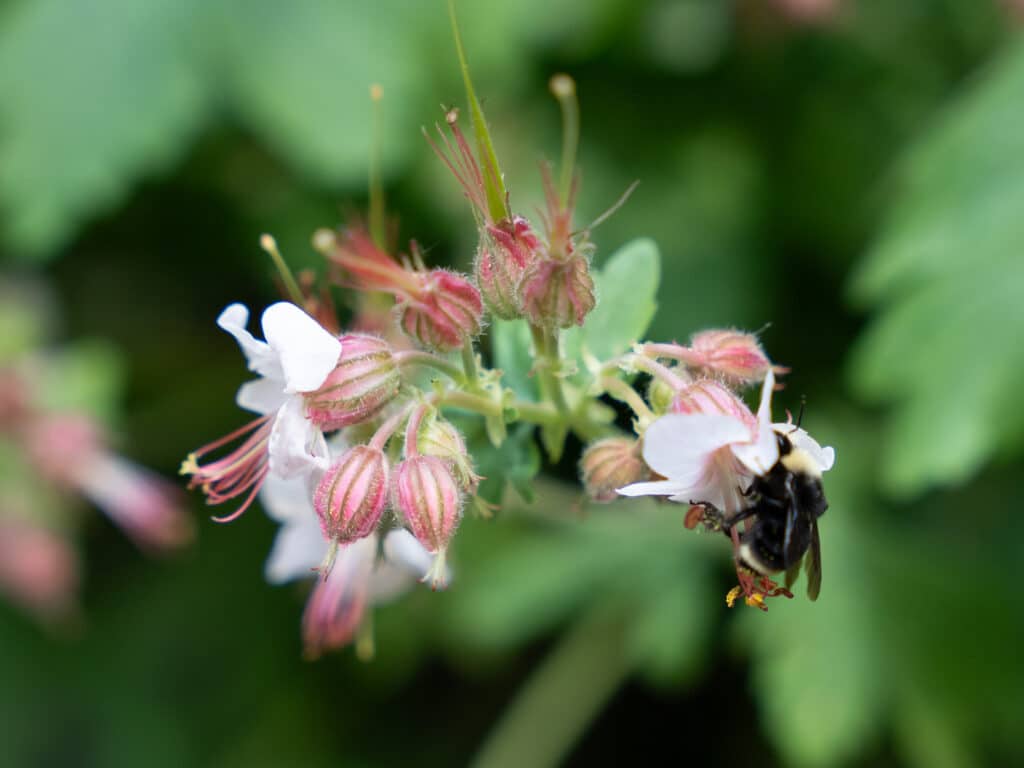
(95,94)
(627,288)
(511,346)
(300,73)
(945,277)
(516,461)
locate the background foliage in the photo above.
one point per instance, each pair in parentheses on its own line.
(855,181)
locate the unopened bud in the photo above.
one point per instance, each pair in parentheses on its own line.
(712,397)
(558,293)
(439,437)
(428,497)
(504,254)
(351,496)
(735,356)
(610,464)
(365,379)
(445,313)
(660,395)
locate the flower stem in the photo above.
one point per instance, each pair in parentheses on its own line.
(657,370)
(624,393)
(546,348)
(470,368)
(411,357)
(269,244)
(561,698)
(376,217)
(563,88)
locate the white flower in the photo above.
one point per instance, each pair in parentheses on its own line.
(712,457)
(296,357)
(361,576)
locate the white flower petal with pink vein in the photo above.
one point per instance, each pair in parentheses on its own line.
(677,445)
(296,445)
(261,396)
(261,358)
(761,454)
(405,561)
(654,488)
(308,353)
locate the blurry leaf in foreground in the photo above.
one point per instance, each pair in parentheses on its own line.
(95,94)
(85,377)
(947,276)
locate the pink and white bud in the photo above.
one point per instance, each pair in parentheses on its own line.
(428,496)
(365,380)
(445,313)
(504,254)
(439,437)
(62,446)
(711,397)
(737,357)
(338,602)
(610,464)
(38,569)
(351,495)
(558,293)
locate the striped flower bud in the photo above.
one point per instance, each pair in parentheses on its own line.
(429,499)
(558,293)
(735,356)
(365,379)
(439,437)
(609,464)
(351,496)
(504,254)
(444,313)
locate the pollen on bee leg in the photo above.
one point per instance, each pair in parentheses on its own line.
(732,594)
(756,600)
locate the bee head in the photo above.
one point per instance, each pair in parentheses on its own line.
(785,446)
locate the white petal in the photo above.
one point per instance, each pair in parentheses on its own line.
(286,501)
(654,488)
(760,455)
(296,445)
(677,446)
(825,457)
(261,358)
(298,548)
(261,396)
(405,561)
(307,352)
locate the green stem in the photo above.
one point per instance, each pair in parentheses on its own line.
(564,89)
(535,413)
(410,357)
(546,347)
(624,393)
(561,698)
(269,244)
(376,181)
(494,184)
(470,368)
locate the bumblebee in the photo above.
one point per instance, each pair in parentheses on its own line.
(786,503)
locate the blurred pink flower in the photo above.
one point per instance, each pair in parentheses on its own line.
(38,569)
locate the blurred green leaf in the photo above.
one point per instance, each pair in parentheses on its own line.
(947,277)
(627,287)
(511,347)
(95,94)
(83,377)
(515,462)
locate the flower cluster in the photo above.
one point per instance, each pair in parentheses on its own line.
(55,457)
(352,450)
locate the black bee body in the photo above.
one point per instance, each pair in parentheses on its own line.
(786,504)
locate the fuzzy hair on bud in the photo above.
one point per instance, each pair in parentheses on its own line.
(439,437)
(711,397)
(735,356)
(445,313)
(558,293)
(504,254)
(429,499)
(351,496)
(610,464)
(365,380)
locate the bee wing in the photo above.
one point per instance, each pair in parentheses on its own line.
(794,541)
(814,563)
(793,574)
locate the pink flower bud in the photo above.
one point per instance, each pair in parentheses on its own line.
(612,463)
(444,313)
(350,498)
(710,396)
(504,254)
(427,494)
(736,356)
(439,437)
(558,293)
(38,569)
(364,381)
